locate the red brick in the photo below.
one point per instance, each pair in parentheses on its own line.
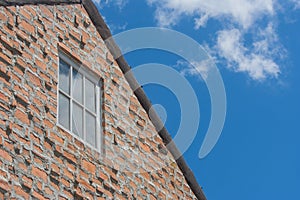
(145,147)
(70,156)
(34,79)
(39,173)
(38,195)
(40,64)
(27,181)
(25,13)
(22,116)
(30,9)
(88,166)
(5,155)
(3,18)
(48,191)
(39,185)
(45,10)
(86,184)
(56,138)
(19,191)
(23,167)
(84,37)
(5,58)
(27,27)
(55,168)
(4,97)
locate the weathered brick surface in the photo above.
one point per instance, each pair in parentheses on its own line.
(40,160)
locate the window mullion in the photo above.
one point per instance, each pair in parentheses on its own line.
(98,123)
(64,93)
(83,117)
(71,99)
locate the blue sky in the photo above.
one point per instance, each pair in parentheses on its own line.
(255,45)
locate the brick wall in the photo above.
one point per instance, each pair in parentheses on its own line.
(40,160)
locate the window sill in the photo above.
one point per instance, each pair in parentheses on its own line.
(93,149)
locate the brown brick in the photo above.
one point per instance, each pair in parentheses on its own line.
(48,191)
(86,184)
(103,176)
(3,18)
(145,147)
(56,138)
(45,10)
(22,116)
(34,79)
(4,58)
(27,181)
(39,173)
(65,182)
(27,27)
(22,167)
(25,13)
(4,97)
(39,185)
(38,195)
(41,64)
(3,174)
(19,191)
(88,166)
(68,174)
(84,37)
(55,168)
(70,156)
(30,9)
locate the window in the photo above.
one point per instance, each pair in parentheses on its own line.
(79,101)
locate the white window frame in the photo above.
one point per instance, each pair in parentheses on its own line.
(91,76)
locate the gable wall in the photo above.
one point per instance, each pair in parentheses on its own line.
(39,159)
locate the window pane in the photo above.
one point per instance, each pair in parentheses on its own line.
(77,120)
(77,86)
(90,96)
(64,111)
(64,76)
(90,129)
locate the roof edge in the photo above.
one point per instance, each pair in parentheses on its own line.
(105,33)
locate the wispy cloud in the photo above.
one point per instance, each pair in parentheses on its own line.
(242,12)
(118,3)
(240,19)
(198,69)
(296,3)
(115,28)
(256,60)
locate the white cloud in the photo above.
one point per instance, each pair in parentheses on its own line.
(257,60)
(201,21)
(240,19)
(242,12)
